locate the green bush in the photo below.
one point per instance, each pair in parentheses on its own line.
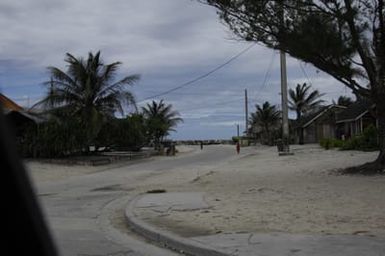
(235,139)
(368,141)
(123,134)
(352,143)
(328,143)
(53,138)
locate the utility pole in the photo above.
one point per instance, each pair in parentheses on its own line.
(285,118)
(246,114)
(238,131)
(285,114)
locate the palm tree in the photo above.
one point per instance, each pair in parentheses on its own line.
(160,119)
(303,101)
(88,90)
(265,117)
(343,101)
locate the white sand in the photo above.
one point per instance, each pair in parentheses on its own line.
(295,194)
(42,171)
(264,192)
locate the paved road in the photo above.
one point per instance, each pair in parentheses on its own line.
(86,213)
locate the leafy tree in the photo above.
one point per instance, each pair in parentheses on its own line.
(303,101)
(343,101)
(265,117)
(54,138)
(123,133)
(88,91)
(343,38)
(160,120)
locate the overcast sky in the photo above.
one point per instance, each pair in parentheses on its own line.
(167,42)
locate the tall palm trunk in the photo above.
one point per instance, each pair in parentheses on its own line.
(300,129)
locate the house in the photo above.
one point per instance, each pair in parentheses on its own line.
(319,124)
(354,119)
(8,105)
(17,117)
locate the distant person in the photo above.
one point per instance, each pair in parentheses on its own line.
(201,145)
(238,147)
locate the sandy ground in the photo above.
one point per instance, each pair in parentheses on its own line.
(261,192)
(43,171)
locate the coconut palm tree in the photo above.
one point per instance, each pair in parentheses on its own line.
(88,90)
(303,101)
(343,101)
(266,117)
(160,119)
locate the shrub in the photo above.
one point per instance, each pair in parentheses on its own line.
(53,138)
(328,143)
(367,141)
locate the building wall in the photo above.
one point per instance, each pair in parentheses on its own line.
(310,134)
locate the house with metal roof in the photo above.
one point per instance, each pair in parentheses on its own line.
(318,125)
(17,116)
(8,104)
(355,119)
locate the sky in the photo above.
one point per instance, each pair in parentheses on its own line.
(167,42)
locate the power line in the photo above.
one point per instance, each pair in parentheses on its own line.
(268,71)
(199,77)
(266,76)
(214,104)
(304,72)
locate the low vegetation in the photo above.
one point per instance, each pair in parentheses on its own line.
(367,141)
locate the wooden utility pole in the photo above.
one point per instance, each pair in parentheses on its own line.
(285,114)
(285,118)
(246,114)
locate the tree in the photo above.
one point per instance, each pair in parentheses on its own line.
(265,117)
(343,38)
(88,91)
(160,120)
(343,101)
(303,101)
(123,133)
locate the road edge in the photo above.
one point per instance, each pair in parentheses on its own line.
(165,238)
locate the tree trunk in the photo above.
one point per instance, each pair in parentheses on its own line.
(301,136)
(300,129)
(381,134)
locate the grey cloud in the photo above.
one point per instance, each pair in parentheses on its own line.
(168,42)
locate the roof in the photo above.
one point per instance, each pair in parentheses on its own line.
(354,112)
(8,104)
(310,118)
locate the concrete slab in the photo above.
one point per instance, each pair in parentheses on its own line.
(163,237)
(177,201)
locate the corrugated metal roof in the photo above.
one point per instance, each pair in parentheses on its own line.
(310,118)
(354,111)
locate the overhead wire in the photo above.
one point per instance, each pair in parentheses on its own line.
(199,77)
(304,72)
(266,77)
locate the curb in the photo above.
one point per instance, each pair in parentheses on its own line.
(168,239)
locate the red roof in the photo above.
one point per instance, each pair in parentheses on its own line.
(8,104)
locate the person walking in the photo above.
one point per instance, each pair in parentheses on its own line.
(238,147)
(201,145)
